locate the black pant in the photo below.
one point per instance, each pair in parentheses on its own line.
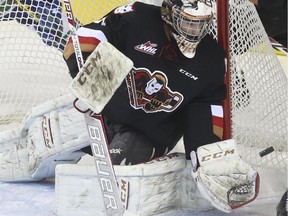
(129,146)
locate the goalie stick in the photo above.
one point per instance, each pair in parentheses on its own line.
(75,39)
(95,90)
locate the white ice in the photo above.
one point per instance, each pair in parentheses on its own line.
(38,199)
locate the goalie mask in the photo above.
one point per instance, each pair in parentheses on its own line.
(190,20)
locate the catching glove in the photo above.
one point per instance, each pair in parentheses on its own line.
(223,178)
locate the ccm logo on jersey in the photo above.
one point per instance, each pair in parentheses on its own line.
(217,155)
(188,74)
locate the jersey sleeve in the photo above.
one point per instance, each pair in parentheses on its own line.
(202,124)
(203,117)
(111,28)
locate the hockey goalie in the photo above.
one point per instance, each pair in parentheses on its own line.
(156,76)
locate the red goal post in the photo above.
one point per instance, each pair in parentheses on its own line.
(223,40)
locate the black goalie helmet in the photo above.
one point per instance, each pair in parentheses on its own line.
(190,20)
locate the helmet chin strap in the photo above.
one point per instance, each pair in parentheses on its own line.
(187,48)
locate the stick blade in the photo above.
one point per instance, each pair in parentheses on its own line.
(100,77)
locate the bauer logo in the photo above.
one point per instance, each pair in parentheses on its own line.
(148,48)
(68,9)
(103,164)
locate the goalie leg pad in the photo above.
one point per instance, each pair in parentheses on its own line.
(48,136)
(149,188)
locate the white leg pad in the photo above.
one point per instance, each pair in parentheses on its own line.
(51,133)
(156,187)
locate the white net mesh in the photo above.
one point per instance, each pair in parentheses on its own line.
(30,72)
(259,90)
(33,34)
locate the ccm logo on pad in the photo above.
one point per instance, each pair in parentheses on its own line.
(217,155)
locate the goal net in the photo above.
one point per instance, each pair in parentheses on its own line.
(256,109)
(33,34)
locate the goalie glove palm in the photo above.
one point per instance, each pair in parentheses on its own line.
(223,178)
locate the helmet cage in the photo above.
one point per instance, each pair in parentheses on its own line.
(192,28)
(189,21)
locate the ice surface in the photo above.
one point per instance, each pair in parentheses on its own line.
(38,199)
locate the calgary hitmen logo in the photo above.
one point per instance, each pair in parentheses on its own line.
(150,91)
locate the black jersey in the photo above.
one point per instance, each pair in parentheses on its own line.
(166,95)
